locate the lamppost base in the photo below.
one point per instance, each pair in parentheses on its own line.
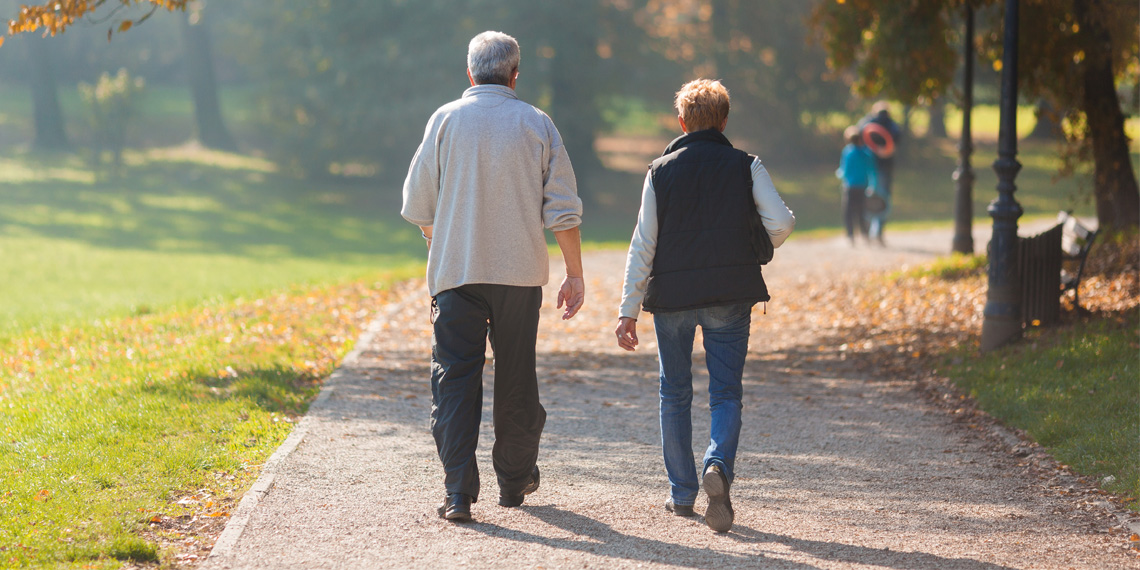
(997,332)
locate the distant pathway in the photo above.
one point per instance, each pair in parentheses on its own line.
(836,469)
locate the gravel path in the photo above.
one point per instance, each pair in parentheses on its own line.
(835,470)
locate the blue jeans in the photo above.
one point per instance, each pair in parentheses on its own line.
(725,331)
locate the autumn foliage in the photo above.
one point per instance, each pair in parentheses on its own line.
(56,16)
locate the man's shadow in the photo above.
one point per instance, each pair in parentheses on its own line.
(600,539)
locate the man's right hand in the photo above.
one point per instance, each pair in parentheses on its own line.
(627,333)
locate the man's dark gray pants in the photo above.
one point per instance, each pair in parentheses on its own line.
(466,317)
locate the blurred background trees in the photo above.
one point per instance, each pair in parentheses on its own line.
(1073,55)
(111,104)
(343,88)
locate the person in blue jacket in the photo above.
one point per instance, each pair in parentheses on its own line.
(857,171)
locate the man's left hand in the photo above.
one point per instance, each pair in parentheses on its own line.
(572,294)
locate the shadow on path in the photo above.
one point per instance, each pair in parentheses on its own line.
(601,539)
(836,551)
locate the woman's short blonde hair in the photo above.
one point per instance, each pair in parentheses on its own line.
(703,104)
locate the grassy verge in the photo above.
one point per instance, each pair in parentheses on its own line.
(184,226)
(1072,389)
(949,268)
(159,333)
(1071,386)
(113,430)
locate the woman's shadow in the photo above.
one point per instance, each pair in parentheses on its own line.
(600,539)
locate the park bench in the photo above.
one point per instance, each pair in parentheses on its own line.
(1076,241)
(1041,264)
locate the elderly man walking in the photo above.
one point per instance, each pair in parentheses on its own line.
(709,219)
(489,176)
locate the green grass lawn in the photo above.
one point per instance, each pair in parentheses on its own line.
(115,434)
(1073,389)
(179,229)
(159,332)
(165,115)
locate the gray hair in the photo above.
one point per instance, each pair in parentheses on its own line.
(492,57)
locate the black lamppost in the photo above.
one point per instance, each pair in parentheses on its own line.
(1003,300)
(964,175)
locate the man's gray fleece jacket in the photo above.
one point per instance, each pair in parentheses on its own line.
(490,174)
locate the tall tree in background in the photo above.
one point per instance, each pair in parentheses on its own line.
(574,87)
(760,51)
(46,111)
(210,128)
(346,87)
(1117,198)
(1078,50)
(1048,125)
(937,119)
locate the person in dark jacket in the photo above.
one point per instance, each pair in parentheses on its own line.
(880,115)
(694,260)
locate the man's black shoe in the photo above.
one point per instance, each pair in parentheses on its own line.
(513,500)
(679,510)
(719,513)
(456,507)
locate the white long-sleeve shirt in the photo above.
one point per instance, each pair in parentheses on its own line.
(778,221)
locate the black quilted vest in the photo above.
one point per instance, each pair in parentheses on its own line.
(708,250)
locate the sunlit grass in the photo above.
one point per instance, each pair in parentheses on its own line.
(132,373)
(951,267)
(21,171)
(183,226)
(165,114)
(193,154)
(107,425)
(1073,390)
(46,282)
(984,120)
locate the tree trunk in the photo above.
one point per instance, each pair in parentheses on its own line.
(209,128)
(723,14)
(937,119)
(1117,196)
(46,111)
(1047,127)
(572,105)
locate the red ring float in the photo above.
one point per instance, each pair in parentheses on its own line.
(884,150)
